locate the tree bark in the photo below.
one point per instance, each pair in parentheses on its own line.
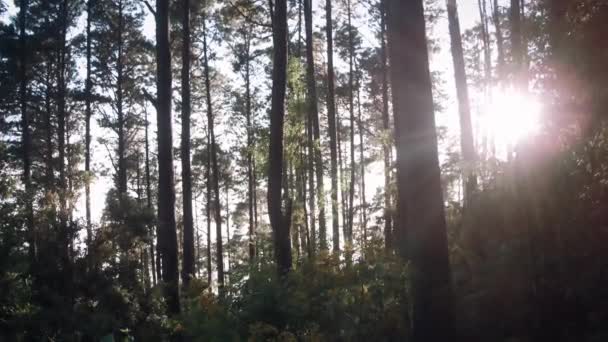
(278,220)
(87,135)
(331,118)
(419,182)
(250,150)
(348,237)
(166,190)
(467,145)
(386,146)
(25,130)
(316,160)
(214,165)
(149,200)
(188,266)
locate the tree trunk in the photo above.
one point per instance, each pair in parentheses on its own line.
(166,190)
(149,201)
(467,145)
(331,118)
(387,145)
(362,166)
(87,135)
(250,150)
(25,130)
(499,39)
(315,146)
(214,165)
(348,237)
(278,220)
(208,212)
(419,182)
(516,42)
(188,266)
(122,160)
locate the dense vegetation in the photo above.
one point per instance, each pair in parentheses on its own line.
(301,170)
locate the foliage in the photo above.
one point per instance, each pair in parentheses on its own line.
(321,300)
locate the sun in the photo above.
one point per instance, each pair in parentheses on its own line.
(509,117)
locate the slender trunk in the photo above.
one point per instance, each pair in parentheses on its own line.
(214,165)
(516,42)
(228,225)
(466,129)
(208,211)
(455,24)
(250,150)
(348,237)
(387,144)
(419,181)
(499,39)
(331,118)
(362,166)
(166,190)
(61,127)
(50,177)
(122,160)
(279,221)
(316,161)
(188,266)
(87,135)
(149,201)
(25,130)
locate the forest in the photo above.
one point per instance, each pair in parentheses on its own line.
(300,170)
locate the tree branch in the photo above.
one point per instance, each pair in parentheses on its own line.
(149,7)
(150,98)
(248,18)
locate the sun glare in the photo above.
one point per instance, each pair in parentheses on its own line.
(510,117)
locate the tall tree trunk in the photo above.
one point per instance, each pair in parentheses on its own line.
(348,237)
(278,220)
(331,118)
(467,145)
(122,160)
(362,166)
(25,130)
(316,160)
(87,135)
(61,144)
(208,211)
(516,42)
(499,39)
(419,182)
(149,201)
(485,34)
(214,165)
(228,226)
(188,266)
(166,190)
(387,145)
(250,149)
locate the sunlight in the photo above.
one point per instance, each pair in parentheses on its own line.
(510,117)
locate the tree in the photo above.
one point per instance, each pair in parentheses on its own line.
(467,145)
(25,126)
(279,221)
(387,145)
(88,114)
(331,118)
(420,203)
(314,148)
(214,163)
(166,190)
(188,265)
